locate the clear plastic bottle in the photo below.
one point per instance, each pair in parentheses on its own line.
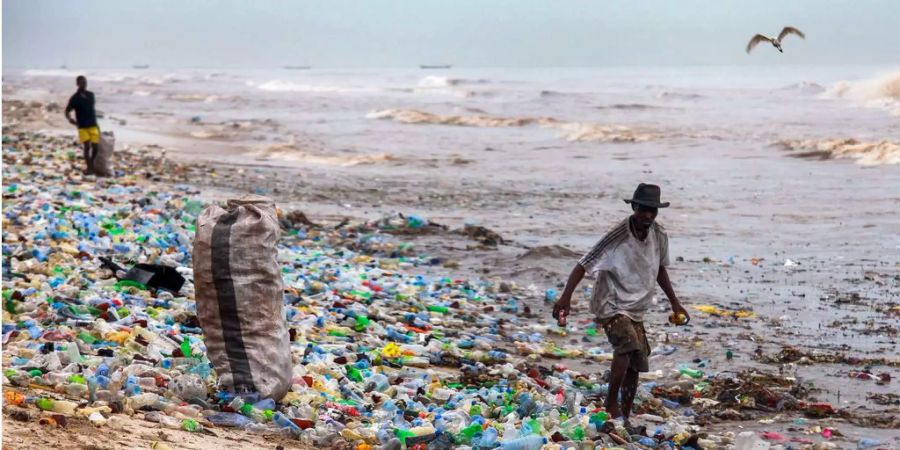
(532,442)
(284,422)
(226,419)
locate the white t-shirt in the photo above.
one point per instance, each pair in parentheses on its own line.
(626,270)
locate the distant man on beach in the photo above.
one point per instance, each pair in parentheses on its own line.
(628,262)
(82,102)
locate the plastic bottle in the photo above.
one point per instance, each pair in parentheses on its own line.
(488,438)
(748,440)
(284,422)
(466,434)
(532,442)
(527,405)
(416,435)
(868,443)
(190,425)
(248,410)
(226,419)
(143,400)
(377,382)
(58,406)
(693,373)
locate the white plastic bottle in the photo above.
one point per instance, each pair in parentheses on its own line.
(748,440)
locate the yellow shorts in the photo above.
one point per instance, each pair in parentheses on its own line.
(89,134)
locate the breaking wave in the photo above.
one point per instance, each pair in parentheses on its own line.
(434,81)
(593,132)
(50,73)
(411,116)
(571,131)
(881,92)
(805,87)
(865,153)
(288,86)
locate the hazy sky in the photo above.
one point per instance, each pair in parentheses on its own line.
(467,33)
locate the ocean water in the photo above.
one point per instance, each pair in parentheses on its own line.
(517,144)
(372,112)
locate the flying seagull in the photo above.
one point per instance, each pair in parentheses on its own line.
(776,42)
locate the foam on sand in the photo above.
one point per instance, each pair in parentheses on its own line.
(865,153)
(290,151)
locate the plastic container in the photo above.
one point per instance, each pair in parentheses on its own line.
(533,442)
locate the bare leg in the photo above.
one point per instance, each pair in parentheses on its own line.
(629,390)
(95,148)
(619,368)
(88,160)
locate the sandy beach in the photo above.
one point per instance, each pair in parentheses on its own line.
(784,234)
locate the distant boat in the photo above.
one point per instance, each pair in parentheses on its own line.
(297,67)
(141,66)
(435,66)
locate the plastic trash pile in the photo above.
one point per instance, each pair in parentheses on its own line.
(381,357)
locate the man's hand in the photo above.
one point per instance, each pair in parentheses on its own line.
(562,307)
(678,309)
(73,122)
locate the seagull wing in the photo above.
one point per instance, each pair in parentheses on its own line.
(790,30)
(756,40)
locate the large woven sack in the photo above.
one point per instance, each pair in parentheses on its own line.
(238,287)
(103,160)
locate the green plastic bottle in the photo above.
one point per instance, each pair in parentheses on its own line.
(575,434)
(362,322)
(466,434)
(190,425)
(44,403)
(438,309)
(353,373)
(87,338)
(693,373)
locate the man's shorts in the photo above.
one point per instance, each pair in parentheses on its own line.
(91,134)
(628,337)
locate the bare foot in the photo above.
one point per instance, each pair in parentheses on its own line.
(613,411)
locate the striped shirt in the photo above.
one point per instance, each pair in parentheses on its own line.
(625,268)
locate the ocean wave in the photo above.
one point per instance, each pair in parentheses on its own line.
(550,93)
(191,98)
(805,87)
(882,91)
(412,116)
(50,73)
(571,131)
(435,81)
(865,153)
(593,132)
(290,151)
(288,86)
(628,106)
(678,95)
